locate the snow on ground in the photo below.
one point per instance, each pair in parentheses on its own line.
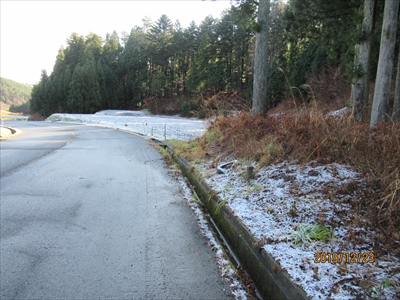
(286,197)
(159,127)
(276,206)
(339,113)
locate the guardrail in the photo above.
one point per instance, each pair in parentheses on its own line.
(7,117)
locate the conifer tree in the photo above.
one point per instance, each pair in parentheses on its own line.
(160,49)
(39,96)
(200,76)
(396,105)
(260,60)
(112,50)
(133,68)
(360,86)
(380,103)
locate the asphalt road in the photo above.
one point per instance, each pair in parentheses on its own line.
(91,213)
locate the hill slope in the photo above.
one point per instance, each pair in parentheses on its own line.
(13,92)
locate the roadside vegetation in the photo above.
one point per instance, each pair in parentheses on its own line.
(319,131)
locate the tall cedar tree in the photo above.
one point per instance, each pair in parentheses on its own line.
(260,60)
(396,105)
(380,104)
(360,86)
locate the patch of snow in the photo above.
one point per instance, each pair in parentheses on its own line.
(114,112)
(286,195)
(339,113)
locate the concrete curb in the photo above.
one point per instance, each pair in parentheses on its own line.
(272,282)
(9,132)
(5,132)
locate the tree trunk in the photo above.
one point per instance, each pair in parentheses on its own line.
(385,63)
(360,86)
(261,61)
(396,106)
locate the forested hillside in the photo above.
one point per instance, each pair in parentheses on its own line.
(160,60)
(13,92)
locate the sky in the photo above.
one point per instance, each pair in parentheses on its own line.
(32,32)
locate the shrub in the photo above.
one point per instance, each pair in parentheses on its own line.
(187,108)
(202,114)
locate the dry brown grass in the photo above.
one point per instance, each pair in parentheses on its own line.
(165,106)
(302,131)
(330,88)
(212,104)
(218,103)
(305,134)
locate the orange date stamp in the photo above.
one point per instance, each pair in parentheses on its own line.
(348,258)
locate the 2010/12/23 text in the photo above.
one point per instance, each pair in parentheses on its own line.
(352,257)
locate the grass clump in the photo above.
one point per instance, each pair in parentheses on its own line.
(219,205)
(196,150)
(190,150)
(305,234)
(253,188)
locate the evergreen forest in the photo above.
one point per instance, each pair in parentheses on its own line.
(160,61)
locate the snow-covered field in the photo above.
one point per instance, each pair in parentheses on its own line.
(278,206)
(159,127)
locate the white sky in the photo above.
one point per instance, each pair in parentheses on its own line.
(32,32)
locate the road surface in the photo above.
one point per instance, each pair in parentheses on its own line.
(91,213)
